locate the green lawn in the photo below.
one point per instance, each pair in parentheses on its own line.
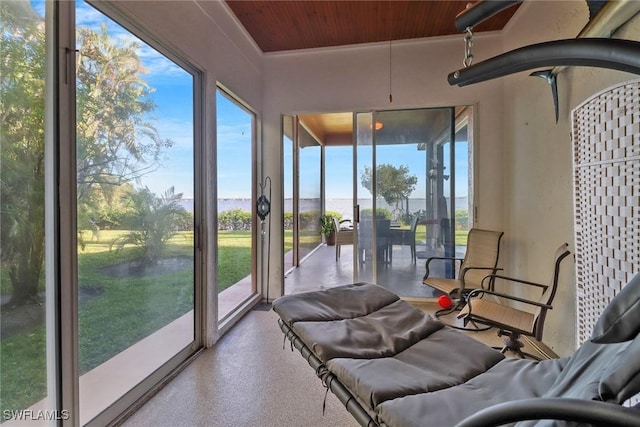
(461,237)
(117,312)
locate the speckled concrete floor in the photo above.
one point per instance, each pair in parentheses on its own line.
(247,379)
(321,270)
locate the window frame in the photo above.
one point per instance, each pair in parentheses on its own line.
(62,353)
(225,323)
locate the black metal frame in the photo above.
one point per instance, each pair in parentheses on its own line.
(577,410)
(329,380)
(616,54)
(480,11)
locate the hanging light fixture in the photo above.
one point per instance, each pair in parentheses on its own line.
(389,31)
(390,95)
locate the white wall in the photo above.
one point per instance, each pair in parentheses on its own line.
(538,174)
(356,78)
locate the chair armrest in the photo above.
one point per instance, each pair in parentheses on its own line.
(464,271)
(476,292)
(439,258)
(444,258)
(577,410)
(515,280)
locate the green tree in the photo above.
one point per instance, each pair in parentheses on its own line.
(116,143)
(154,221)
(394,184)
(22,76)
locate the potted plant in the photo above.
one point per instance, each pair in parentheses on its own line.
(327,229)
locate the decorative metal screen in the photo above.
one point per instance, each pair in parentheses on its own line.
(606,146)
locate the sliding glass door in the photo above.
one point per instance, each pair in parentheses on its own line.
(136,206)
(236,216)
(309,191)
(27,292)
(100,212)
(365,256)
(302,189)
(407,166)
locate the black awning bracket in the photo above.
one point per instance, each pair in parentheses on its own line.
(552,78)
(592,47)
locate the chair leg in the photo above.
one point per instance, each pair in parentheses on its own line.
(513,344)
(458,304)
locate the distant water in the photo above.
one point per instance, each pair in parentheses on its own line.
(343,206)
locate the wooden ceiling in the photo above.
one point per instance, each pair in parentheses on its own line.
(279,25)
(284,25)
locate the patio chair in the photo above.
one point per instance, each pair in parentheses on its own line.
(513,322)
(366,240)
(344,235)
(481,259)
(404,237)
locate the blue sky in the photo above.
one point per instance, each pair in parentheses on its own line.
(173,118)
(340,162)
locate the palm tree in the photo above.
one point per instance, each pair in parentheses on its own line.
(154,220)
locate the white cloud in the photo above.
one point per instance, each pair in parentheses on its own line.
(156,63)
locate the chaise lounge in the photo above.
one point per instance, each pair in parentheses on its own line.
(394,365)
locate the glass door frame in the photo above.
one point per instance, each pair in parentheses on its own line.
(358,274)
(62,242)
(450,238)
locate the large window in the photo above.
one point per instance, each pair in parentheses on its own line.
(121,238)
(25,295)
(235,182)
(310,197)
(287,188)
(135,209)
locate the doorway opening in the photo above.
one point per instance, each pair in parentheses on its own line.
(403,181)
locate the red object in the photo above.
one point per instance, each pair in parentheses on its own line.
(444,301)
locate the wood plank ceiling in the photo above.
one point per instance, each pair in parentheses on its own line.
(284,25)
(289,25)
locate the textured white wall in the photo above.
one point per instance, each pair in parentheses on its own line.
(538,158)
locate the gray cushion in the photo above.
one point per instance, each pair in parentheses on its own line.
(599,372)
(342,302)
(438,361)
(381,333)
(620,321)
(508,380)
